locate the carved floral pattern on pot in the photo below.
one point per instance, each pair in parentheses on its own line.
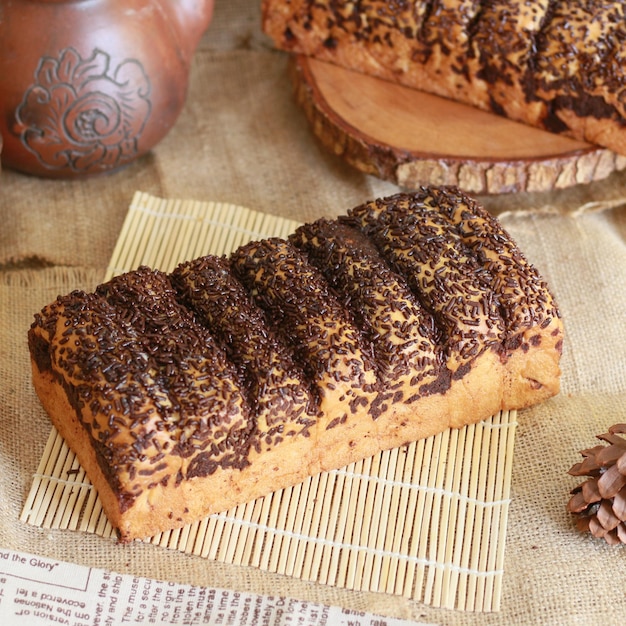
(83,115)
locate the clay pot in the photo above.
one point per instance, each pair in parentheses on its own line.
(87,86)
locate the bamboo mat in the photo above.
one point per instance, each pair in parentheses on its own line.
(427,521)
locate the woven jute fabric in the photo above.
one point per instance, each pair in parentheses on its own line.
(242,140)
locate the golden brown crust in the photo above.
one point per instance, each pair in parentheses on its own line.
(186,394)
(554,64)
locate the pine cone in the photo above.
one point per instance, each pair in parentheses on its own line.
(599,503)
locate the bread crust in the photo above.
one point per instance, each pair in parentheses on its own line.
(188,393)
(555,65)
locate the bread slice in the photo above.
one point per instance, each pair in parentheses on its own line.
(187,393)
(556,65)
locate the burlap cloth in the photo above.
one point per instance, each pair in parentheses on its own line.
(242,140)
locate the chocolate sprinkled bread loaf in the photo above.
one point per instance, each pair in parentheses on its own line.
(189,392)
(553,64)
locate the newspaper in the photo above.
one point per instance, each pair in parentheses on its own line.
(35,591)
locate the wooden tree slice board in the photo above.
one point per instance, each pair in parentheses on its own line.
(414,138)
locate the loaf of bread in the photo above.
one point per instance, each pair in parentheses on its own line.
(554,64)
(187,393)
